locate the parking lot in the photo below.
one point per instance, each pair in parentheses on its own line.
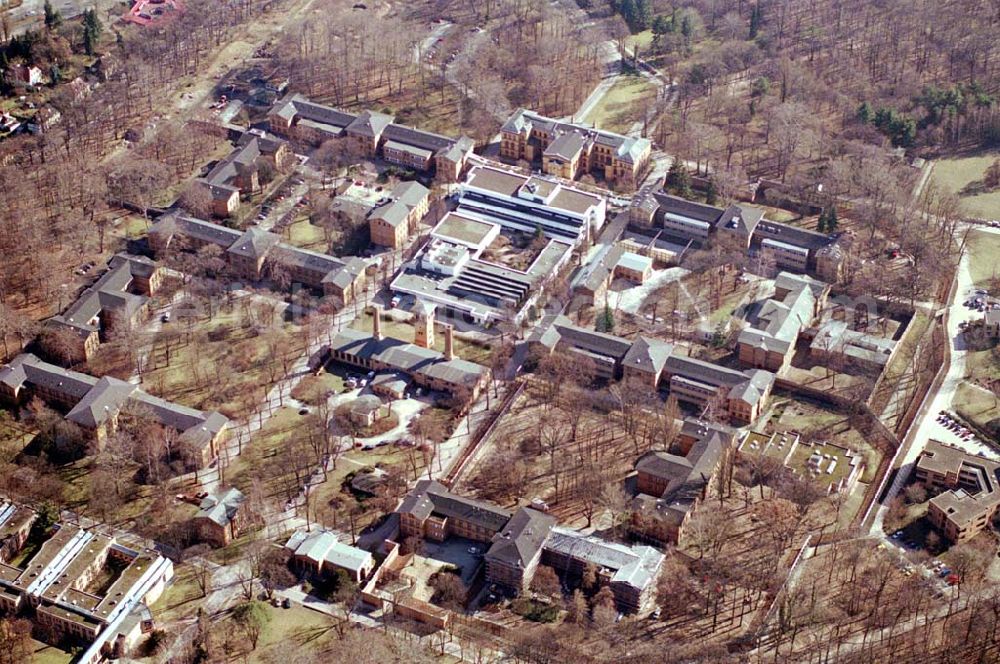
(949,430)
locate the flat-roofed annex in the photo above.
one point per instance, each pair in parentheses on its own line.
(465,229)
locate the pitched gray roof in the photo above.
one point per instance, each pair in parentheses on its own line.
(369,123)
(566,146)
(254,243)
(520,541)
(647,355)
(102,402)
(221,506)
(430,497)
(686,476)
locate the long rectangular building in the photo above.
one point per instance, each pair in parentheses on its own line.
(85,587)
(253,253)
(452,273)
(94,404)
(371,134)
(521,540)
(656,363)
(526,203)
(742,226)
(120,297)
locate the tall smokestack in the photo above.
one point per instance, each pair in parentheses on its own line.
(377,322)
(449,343)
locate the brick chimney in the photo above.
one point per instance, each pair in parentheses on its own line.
(449,343)
(423,329)
(377,322)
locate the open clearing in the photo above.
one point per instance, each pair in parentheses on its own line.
(623,105)
(984,249)
(957,174)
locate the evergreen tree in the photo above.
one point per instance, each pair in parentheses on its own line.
(711,192)
(642,17)
(661,25)
(628,11)
(831,220)
(679,179)
(53,19)
(88,40)
(755,20)
(606,321)
(93,24)
(821,222)
(865,113)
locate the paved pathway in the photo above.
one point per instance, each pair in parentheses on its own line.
(927,426)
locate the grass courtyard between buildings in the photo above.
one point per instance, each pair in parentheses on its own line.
(226,363)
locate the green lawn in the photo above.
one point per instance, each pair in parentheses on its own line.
(622,105)
(46,654)
(223,368)
(960,175)
(984,250)
(312,389)
(976,405)
(983,365)
(303,234)
(821,425)
(640,40)
(181,598)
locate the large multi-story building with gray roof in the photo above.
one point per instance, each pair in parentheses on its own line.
(371,134)
(671,484)
(425,366)
(119,298)
(741,394)
(741,226)
(969,488)
(452,272)
(83,587)
(519,541)
(395,218)
(249,251)
(94,404)
(775,325)
(239,172)
(527,203)
(569,150)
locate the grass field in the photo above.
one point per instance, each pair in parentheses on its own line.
(976,405)
(984,250)
(46,654)
(622,105)
(960,175)
(303,234)
(225,359)
(819,424)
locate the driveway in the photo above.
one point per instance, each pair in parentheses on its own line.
(928,427)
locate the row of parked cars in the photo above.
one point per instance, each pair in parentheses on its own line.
(979,300)
(949,423)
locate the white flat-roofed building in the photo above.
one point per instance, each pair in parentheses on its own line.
(461,230)
(526,203)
